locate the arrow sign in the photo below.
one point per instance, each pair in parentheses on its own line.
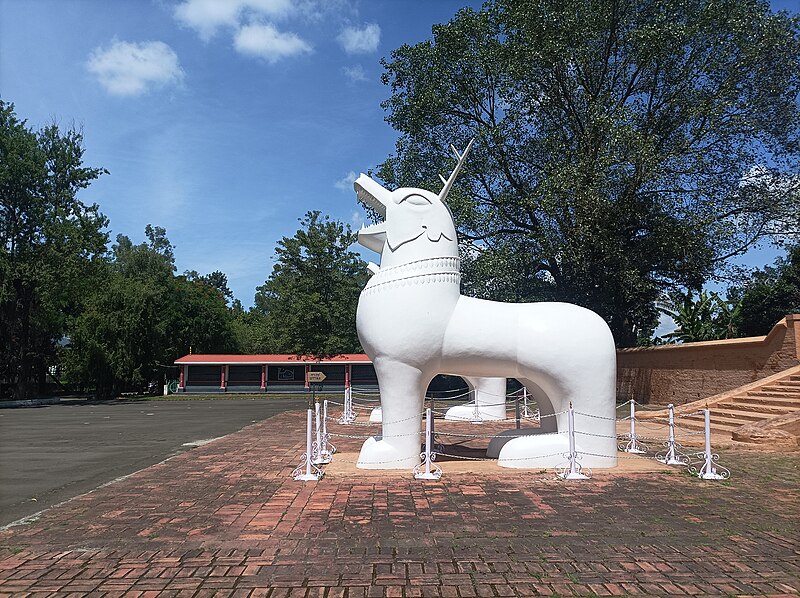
(315,376)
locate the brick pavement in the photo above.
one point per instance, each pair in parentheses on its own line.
(226,519)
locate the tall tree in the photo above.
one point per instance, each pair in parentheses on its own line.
(624,148)
(49,240)
(141,317)
(769,295)
(309,301)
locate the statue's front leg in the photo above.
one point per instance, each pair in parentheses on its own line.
(402,394)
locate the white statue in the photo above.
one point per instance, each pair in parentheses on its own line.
(413,322)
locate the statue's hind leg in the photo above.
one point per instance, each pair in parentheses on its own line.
(402,390)
(593,398)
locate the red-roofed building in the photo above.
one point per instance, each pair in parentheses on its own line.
(271,373)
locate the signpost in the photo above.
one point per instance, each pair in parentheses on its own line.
(313,378)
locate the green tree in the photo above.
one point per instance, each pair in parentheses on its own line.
(49,243)
(707,318)
(141,317)
(216,280)
(623,148)
(309,301)
(771,294)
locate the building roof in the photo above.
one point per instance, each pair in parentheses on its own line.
(209,359)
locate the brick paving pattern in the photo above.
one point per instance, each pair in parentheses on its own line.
(226,519)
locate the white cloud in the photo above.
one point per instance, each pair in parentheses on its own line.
(363,40)
(346,183)
(355,73)
(129,68)
(207,16)
(264,41)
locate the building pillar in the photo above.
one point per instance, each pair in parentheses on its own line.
(308,369)
(264,378)
(223,370)
(182,378)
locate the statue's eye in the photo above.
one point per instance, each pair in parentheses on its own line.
(416,199)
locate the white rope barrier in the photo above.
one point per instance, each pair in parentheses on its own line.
(321,451)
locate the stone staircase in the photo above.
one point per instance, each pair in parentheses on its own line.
(777,396)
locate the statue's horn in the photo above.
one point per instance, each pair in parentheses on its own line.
(461,159)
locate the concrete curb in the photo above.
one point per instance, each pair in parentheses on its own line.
(30,403)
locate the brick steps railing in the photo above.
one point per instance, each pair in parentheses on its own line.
(755,403)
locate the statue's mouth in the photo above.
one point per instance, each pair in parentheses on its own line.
(366,190)
(374,236)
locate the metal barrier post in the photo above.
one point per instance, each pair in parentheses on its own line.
(709,471)
(306,471)
(320,457)
(633,445)
(672,456)
(574,472)
(428,457)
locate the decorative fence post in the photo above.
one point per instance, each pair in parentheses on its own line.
(574,470)
(348,415)
(476,413)
(633,445)
(428,457)
(527,412)
(708,471)
(672,456)
(321,456)
(307,471)
(326,438)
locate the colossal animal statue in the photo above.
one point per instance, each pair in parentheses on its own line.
(413,322)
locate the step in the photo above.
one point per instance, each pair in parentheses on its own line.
(738,414)
(747,404)
(697,422)
(782,402)
(781,387)
(780,394)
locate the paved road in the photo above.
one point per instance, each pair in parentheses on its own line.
(50,454)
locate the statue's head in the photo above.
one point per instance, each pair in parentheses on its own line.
(417,223)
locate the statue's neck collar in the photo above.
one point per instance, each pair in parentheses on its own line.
(434,266)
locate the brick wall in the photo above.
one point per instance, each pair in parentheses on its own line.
(682,373)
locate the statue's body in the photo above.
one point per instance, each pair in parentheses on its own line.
(413,323)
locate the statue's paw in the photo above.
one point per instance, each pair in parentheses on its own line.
(534,451)
(381,454)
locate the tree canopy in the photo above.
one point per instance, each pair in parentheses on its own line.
(49,243)
(623,149)
(140,317)
(308,304)
(769,295)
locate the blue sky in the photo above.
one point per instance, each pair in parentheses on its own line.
(223,121)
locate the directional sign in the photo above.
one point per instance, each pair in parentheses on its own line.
(315,376)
